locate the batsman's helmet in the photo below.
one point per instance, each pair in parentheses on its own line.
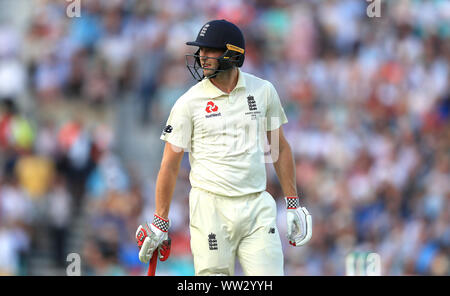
(218,34)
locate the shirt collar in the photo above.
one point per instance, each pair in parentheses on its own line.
(241,80)
(213,92)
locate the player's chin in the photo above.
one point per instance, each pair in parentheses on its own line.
(208,72)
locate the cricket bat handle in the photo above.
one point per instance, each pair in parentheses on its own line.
(164,251)
(152,265)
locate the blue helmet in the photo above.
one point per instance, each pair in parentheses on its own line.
(218,34)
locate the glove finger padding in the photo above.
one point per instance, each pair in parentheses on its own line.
(141,233)
(164,249)
(144,243)
(299,226)
(291,218)
(146,251)
(293,224)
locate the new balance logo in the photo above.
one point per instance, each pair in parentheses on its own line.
(212,241)
(272,230)
(167,130)
(251,103)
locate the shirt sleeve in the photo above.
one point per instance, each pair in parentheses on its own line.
(178,129)
(275,116)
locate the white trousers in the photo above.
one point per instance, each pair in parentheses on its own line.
(225,227)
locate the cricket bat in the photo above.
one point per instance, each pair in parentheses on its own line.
(152,265)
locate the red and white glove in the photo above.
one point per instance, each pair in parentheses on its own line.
(299,222)
(152,237)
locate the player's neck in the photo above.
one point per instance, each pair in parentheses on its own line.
(226,81)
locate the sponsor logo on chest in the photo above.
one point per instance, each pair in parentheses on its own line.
(212,110)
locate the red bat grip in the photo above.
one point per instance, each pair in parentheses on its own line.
(152,264)
(165,253)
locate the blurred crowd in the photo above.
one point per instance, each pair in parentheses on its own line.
(367,100)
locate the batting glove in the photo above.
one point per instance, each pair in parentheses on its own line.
(299,222)
(150,237)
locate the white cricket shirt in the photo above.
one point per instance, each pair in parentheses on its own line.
(225,134)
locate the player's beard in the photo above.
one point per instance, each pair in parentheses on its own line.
(209,69)
(207,72)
